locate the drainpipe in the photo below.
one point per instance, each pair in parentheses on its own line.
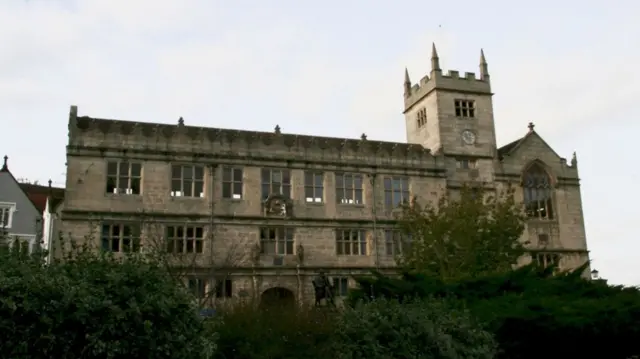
(372,180)
(49,232)
(212,186)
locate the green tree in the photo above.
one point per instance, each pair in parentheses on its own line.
(96,306)
(465,237)
(414,329)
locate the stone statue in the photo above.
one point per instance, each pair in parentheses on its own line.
(283,209)
(323,289)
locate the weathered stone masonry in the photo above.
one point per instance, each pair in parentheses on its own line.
(436,160)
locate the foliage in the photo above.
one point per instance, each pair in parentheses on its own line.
(466,237)
(110,306)
(95,306)
(533,313)
(416,329)
(377,330)
(248,332)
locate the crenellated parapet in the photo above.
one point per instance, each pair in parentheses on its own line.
(452,81)
(116,135)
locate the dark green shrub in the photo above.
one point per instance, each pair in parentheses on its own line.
(530,311)
(247,332)
(95,307)
(416,329)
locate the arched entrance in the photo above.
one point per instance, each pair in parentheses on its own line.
(277,297)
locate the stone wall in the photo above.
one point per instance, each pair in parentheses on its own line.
(566,231)
(232,226)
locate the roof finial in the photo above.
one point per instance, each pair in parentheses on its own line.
(484,67)
(180,121)
(574,159)
(407,83)
(531,126)
(4,165)
(363,137)
(435,60)
(277,129)
(50,182)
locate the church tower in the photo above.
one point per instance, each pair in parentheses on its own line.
(453,115)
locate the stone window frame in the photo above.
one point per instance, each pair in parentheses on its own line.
(421,117)
(396,243)
(314,190)
(197,286)
(464,108)
(223,287)
(351,242)
(195,180)
(531,192)
(466,163)
(283,185)
(340,286)
(120,237)
(179,241)
(7,210)
(281,238)
(347,190)
(390,184)
(234,186)
(115,177)
(545,259)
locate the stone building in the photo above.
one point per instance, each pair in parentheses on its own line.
(262,213)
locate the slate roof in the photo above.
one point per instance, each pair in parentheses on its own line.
(504,150)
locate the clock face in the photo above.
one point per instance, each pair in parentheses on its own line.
(468,137)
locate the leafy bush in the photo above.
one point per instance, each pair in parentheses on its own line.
(532,313)
(376,330)
(429,329)
(247,332)
(93,306)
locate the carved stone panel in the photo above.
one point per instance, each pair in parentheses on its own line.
(544,234)
(277,206)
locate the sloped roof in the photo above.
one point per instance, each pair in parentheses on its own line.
(38,195)
(511,147)
(506,149)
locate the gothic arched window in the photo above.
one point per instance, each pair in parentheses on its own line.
(538,193)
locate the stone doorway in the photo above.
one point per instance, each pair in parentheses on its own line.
(277,297)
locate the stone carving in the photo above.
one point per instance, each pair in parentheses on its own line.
(278,206)
(300,253)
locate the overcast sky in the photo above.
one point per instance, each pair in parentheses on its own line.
(334,68)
